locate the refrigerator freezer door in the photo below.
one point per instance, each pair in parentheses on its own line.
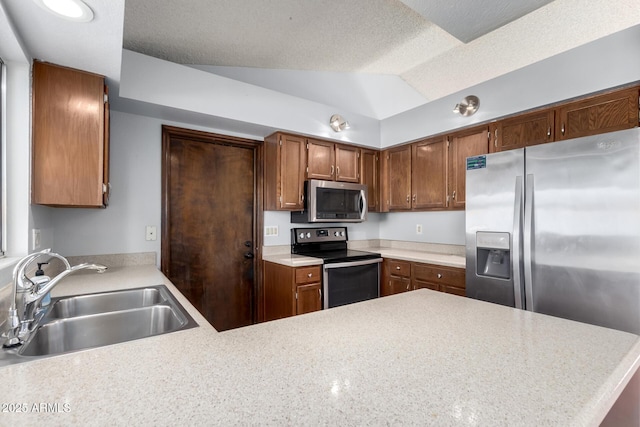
(493,211)
(585,229)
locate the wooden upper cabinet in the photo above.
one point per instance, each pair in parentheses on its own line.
(332,162)
(521,131)
(429,174)
(399,178)
(70,137)
(284,171)
(369,175)
(347,163)
(598,114)
(320,160)
(472,142)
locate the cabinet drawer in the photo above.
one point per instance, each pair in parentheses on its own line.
(308,274)
(441,275)
(399,268)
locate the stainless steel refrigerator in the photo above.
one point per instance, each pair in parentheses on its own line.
(555,229)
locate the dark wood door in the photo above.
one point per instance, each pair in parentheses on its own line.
(429,174)
(208,226)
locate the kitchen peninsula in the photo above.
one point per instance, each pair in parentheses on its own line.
(418,358)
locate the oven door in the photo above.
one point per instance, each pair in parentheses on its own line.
(351,281)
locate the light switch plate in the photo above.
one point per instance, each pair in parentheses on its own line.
(35,238)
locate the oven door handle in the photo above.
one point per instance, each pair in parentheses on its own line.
(352,263)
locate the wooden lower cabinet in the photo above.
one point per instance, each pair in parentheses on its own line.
(438,278)
(402,276)
(396,277)
(289,291)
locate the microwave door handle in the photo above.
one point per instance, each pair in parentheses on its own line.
(363,204)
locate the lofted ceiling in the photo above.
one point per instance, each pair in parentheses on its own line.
(375,57)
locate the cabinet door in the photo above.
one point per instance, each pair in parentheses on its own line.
(399,176)
(600,114)
(68,144)
(292,170)
(465,144)
(369,172)
(308,298)
(522,131)
(321,160)
(347,163)
(429,174)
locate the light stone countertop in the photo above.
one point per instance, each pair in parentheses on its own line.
(292,260)
(449,260)
(417,358)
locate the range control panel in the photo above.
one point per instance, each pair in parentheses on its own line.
(318,235)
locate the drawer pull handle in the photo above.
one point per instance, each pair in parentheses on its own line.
(439,276)
(397,267)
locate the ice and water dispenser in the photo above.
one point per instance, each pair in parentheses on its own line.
(493,258)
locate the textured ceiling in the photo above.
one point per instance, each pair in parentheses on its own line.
(374,57)
(390,37)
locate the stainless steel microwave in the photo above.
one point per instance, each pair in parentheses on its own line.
(331,201)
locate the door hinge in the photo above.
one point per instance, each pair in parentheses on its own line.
(307,169)
(448,142)
(106,98)
(281,142)
(358,154)
(307,145)
(296,295)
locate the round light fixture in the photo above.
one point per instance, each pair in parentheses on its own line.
(338,123)
(468,106)
(72,10)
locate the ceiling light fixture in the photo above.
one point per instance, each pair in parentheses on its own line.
(338,123)
(468,106)
(73,10)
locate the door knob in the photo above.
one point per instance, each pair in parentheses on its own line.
(248,255)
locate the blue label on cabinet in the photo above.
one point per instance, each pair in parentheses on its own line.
(477,162)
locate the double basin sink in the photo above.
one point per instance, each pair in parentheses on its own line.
(80,322)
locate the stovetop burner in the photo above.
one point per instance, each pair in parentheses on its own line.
(328,243)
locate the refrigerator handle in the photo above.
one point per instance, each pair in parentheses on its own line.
(528,242)
(516,260)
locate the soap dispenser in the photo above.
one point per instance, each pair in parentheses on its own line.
(40,280)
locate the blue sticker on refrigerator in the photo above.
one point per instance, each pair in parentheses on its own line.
(477,162)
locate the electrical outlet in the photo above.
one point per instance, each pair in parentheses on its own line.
(271,230)
(418,228)
(35,238)
(151,232)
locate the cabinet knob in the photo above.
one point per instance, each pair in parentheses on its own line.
(562,129)
(310,275)
(337,170)
(331,170)
(439,276)
(414,198)
(548,131)
(397,267)
(453,196)
(407,286)
(408,198)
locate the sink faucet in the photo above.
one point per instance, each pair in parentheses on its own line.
(26,296)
